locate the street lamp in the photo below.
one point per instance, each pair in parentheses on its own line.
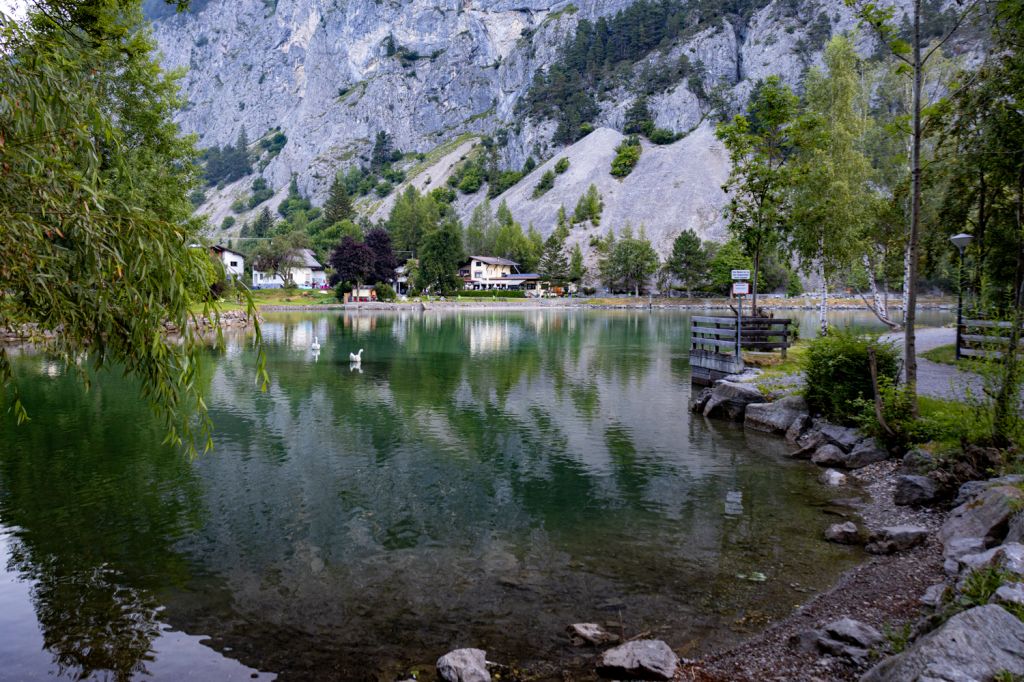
(960,241)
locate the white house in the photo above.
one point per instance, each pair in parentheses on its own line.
(233,262)
(488,272)
(306,273)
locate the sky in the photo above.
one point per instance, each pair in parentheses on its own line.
(14,8)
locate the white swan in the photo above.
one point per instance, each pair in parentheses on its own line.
(316,344)
(356,357)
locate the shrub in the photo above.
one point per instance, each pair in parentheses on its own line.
(471,181)
(340,289)
(663,136)
(238,205)
(547,181)
(227,223)
(562,165)
(627,154)
(197,197)
(589,291)
(491,293)
(837,374)
(385,292)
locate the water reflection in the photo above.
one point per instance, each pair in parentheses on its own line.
(479,479)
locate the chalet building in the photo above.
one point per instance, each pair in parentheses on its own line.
(233,262)
(306,273)
(487,272)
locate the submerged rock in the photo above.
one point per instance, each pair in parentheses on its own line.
(644,659)
(893,539)
(843,533)
(832,478)
(914,490)
(464,665)
(775,417)
(590,633)
(973,645)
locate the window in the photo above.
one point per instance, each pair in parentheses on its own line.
(234,264)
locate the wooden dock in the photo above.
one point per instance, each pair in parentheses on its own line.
(713,352)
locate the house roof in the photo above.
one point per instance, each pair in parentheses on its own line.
(309,260)
(219,249)
(493,260)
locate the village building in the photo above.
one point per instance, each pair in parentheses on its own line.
(306,272)
(488,272)
(233,261)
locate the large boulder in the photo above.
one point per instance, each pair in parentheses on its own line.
(985,516)
(864,453)
(914,490)
(1015,528)
(845,637)
(774,417)
(973,645)
(643,659)
(1008,557)
(829,455)
(893,539)
(798,427)
(729,400)
(841,436)
(972,489)
(464,665)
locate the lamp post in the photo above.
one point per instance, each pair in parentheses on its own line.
(960,241)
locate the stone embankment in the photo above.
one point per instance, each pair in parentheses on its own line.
(229,319)
(970,600)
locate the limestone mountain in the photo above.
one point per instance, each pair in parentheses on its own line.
(314,83)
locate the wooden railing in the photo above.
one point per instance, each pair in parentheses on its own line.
(985,338)
(713,343)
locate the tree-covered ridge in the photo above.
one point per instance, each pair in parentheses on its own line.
(601,56)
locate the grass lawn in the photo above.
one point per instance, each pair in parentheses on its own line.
(947,356)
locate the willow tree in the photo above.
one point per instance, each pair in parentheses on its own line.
(95,221)
(832,197)
(759,145)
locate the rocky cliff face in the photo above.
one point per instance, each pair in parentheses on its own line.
(331,73)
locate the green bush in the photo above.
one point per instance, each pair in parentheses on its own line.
(837,374)
(492,293)
(385,292)
(547,181)
(627,155)
(227,223)
(562,165)
(340,289)
(663,136)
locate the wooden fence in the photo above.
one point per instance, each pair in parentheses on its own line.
(985,338)
(713,344)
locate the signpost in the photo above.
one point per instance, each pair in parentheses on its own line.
(740,288)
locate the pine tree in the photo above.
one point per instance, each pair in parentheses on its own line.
(338,206)
(553,265)
(263,225)
(689,260)
(577,271)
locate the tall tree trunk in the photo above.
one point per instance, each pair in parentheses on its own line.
(904,297)
(909,337)
(753,282)
(823,307)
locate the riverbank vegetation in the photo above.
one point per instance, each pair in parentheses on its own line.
(96,220)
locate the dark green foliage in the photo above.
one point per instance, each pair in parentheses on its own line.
(627,155)
(227,164)
(384,152)
(274,143)
(638,118)
(440,258)
(562,165)
(338,205)
(260,193)
(662,136)
(589,207)
(197,197)
(227,223)
(443,195)
(837,375)
(295,201)
(502,182)
(261,227)
(601,55)
(412,216)
(529,165)
(690,260)
(492,293)
(546,182)
(385,292)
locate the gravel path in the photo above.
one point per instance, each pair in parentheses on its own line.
(936,379)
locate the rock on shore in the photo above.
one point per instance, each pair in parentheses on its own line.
(643,659)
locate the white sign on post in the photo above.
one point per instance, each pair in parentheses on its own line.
(740,288)
(741,274)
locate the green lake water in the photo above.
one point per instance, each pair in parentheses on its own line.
(484,479)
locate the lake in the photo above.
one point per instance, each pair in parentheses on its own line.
(483,479)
